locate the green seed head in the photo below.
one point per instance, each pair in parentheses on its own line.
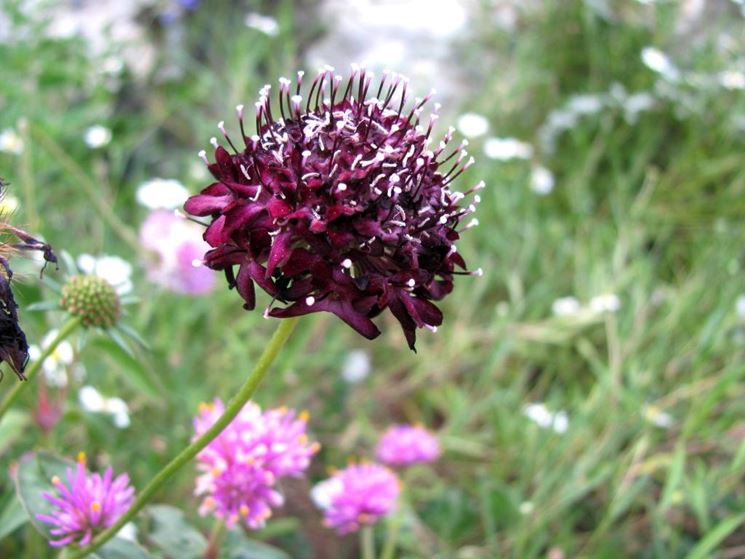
(93,299)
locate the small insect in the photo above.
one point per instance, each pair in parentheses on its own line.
(13,344)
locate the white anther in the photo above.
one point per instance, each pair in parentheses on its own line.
(411,282)
(213,141)
(342,186)
(239,110)
(478,272)
(310,301)
(473,223)
(346,263)
(196,263)
(203,156)
(221,127)
(431,328)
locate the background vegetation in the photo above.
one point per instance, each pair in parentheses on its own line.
(647,209)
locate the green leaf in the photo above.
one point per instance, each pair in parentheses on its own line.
(12,426)
(133,334)
(172,534)
(12,516)
(119,340)
(238,546)
(136,374)
(33,478)
(118,548)
(704,548)
(674,477)
(43,306)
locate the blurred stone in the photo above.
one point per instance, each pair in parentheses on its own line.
(411,37)
(102,23)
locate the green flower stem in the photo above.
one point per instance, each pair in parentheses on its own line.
(92,189)
(391,539)
(280,337)
(32,369)
(367,538)
(213,545)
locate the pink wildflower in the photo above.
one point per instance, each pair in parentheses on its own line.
(404,445)
(357,495)
(86,505)
(178,250)
(240,467)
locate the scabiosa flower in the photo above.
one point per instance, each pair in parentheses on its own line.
(240,467)
(404,445)
(357,495)
(86,504)
(338,204)
(93,299)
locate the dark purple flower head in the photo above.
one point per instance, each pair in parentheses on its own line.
(338,204)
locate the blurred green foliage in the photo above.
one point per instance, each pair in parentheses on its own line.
(646,208)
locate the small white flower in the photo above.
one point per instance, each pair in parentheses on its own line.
(659,62)
(266,24)
(115,270)
(472,125)
(119,411)
(732,80)
(658,417)
(586,104)
(541,416)
(504,149)
(128,532)
(323,492)
(93,401)
(97,136)
(637,103)
(562,120)
(162,193)
(565,306)
(356,366)
(11,142)
(740,306)
(55,366)
(541,180)
(606,302)
(526,507)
